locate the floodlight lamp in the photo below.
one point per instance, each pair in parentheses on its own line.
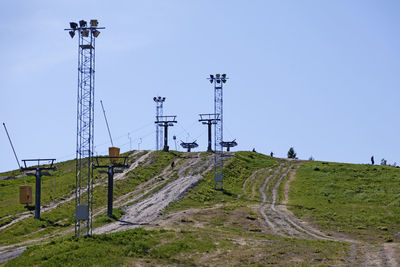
(163,99)
(218,81)
(211,80)
(154,98)
(218,75)
(96,33)
(73,25)
(85,33)
(224,75)
(211,76)
(82,23)
(223,80)
(72,34)
(94,23)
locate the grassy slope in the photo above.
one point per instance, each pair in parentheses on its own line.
(176,247)
(358,199)
(230,234)
(63,216)
(236,171)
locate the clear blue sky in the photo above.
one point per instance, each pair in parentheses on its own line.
(321,76)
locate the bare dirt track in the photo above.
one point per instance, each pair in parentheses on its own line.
(7,255)
(147,210)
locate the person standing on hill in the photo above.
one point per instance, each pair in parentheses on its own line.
(372,160)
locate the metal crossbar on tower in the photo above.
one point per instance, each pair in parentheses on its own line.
(218,80)
(85,124)
(166,121)
(159,112)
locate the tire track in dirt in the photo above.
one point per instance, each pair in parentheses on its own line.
(54,205)
(292,220)
(250,179)
(277,223)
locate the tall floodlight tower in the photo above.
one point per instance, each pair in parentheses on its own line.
(218,80)
(159,129)
(87,35)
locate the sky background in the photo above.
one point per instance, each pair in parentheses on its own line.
(321,76)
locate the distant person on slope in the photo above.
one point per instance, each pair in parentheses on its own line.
(372,160)
(272,154)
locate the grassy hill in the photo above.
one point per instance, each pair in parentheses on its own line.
(360,200)
(271,211)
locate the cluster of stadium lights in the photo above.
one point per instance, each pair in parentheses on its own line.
(159,99)
(83,29)
(218,78)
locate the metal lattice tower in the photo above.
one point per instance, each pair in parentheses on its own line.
(159,129)
(218,82)
(85,125)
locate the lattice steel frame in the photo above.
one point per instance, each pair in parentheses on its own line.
(159,129)
(85,128)
(218,82)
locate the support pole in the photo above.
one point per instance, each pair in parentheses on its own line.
(209,148)
(166,148)
(38,175)
(110,191)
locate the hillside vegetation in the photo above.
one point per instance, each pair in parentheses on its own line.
(360,200)
(271,212)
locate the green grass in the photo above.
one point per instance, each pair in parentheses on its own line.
(114,249)
(59,186)
(184,247)
(236,170)
(63,216)
(64,179)
(363,200)
(230,234)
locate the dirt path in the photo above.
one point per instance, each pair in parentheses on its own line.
(147,210)
(53,205)
(7,255)
(248,180)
